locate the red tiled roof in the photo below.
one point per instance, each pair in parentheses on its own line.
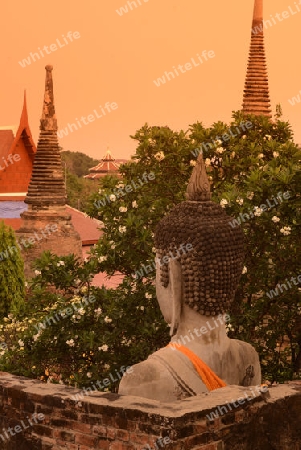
(87,228)
(6,140)
(14,223)
(106,166)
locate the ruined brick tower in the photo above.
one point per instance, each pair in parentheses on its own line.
(256,99)
(47,224)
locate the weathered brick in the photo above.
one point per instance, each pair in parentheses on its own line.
(117,445)
(85,440)
(82,427)
(100,430)
(122,435)
(140,438)
(64,435)
(111,433)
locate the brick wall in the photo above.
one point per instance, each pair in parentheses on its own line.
(107,421)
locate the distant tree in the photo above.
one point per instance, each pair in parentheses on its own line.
(78,163)
(79,189)
(12,281)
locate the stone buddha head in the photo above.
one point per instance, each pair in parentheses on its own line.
(199,254)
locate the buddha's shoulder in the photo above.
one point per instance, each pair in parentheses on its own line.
(148,379)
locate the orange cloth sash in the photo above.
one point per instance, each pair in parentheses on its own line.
(209,378)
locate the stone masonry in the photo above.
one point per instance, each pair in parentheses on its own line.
(269,421)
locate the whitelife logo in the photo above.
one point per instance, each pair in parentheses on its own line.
(47,49)
(85,120)
(168,76)
(279,16)
(124,9)
(295,100)
(9,160)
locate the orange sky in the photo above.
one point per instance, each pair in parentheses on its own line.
(116,58)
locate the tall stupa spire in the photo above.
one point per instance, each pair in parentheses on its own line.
(256,99)
(47,185)
(48,119)
(47,224)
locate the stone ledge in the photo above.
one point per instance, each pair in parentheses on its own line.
(269,421)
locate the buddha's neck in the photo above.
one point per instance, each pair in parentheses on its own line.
(195,329)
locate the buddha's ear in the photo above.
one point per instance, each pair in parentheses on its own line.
(176,285)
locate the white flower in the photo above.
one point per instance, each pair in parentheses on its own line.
(103,348)
(123,209)
(21,343)
(106,366)
(154,250)
(37,272)
(268,137)
(218,142)
(260,156)
(142,308)
(223,202)
(159,156)
(89,374)
(113,245)
(98,312)
(60,263)
(240,200)
(275,219)
(286,231)
(36,337)
(250,195)
(275,154)
(232,155)
(122,229)
(119,185)
(102,259)
(192,163)
(81,311)
(257,211)
(220,150)
(147,295)
(107,319)
(100,191)
(207,162)
(112,197)
(134,204)
(244,270)
(70,342)
(244,136)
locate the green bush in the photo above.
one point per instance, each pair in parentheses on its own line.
(12,282)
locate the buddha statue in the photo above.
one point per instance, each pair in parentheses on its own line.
(199,262)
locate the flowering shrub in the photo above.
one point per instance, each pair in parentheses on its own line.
(255,176)
(82,334)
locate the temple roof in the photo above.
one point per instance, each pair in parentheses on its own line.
(8,141)
(108,165)
(256,99)
(47,185)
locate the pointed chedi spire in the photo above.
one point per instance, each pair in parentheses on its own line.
(256,99)
(47,186)
(198,188)
(47,223)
